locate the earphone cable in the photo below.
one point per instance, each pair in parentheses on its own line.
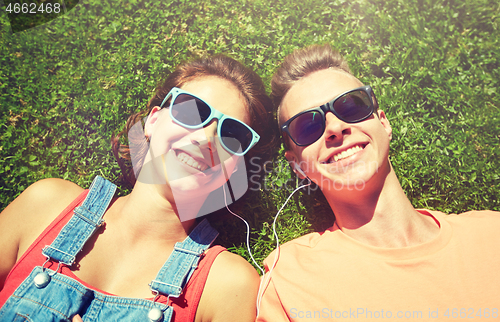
(260,294)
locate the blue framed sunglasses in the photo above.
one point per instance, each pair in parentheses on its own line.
(192,112)
(352,106)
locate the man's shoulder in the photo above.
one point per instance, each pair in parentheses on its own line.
(473,224)
(485,220)
(306,244)
(482,214)
(307,241)
(475,215)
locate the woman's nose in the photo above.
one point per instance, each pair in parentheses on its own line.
(204,137)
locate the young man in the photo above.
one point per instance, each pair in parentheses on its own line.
(381,258)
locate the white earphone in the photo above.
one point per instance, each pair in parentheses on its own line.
(299,170)
(267,277)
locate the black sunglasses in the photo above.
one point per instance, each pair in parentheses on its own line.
(352,106)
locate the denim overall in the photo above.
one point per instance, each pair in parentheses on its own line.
(46,295)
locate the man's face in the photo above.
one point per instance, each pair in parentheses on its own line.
(348,155)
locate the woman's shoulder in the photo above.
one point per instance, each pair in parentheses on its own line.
(46,197)
(29,214)
(232,274)
(41,197)
(36,207)
(52,188)
(231,289)
(230,265)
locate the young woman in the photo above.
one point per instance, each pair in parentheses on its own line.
(66,252)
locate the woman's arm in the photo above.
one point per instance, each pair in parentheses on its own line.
(22,221)
(230,292)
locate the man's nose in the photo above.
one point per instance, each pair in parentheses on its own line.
(334,128)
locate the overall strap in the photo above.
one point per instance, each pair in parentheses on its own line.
(85,220)
(184,259)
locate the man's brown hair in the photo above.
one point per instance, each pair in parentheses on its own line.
(301,63)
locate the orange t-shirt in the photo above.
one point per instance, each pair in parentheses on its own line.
(330,276)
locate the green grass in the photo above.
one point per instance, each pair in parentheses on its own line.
(67,85)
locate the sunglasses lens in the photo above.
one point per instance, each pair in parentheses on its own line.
(189,110)
(192,112)
(353,107)
(235,136)
(307,128)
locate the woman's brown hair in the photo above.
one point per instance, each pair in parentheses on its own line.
(246,81)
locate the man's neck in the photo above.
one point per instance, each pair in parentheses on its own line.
(381,215)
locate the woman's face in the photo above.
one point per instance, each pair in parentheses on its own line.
(192,161)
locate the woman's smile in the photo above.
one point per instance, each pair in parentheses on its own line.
(190,161)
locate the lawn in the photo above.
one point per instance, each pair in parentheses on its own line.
(67,85)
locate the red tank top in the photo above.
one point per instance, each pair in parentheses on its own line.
(184,306)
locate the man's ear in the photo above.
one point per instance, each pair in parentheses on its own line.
(385,123)
(151,120)
(292,160)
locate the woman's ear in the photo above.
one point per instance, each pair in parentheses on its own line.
(385,123)
(151,121)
